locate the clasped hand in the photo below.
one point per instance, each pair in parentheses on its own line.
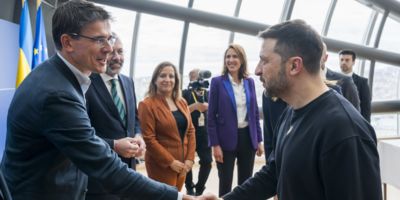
(129,147)
(181,168)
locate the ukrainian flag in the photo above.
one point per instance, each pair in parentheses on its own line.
(25,44)
(40,45)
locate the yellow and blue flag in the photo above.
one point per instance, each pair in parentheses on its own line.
(40,45)
(25,44)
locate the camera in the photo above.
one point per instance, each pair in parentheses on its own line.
(200,83)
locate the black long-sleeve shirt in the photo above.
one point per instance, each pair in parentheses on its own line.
(325,150)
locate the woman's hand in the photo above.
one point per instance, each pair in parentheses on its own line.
(218,155)
(188,165)
(177,166)
(260,149)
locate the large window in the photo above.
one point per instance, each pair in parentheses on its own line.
(222,7)
(386,82)
(205,50)
(268,12)
(390,39)
(122,24)
(349,21)
(317,15)
(159,40)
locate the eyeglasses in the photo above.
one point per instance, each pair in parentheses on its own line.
(101,41)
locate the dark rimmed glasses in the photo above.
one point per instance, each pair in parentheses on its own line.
(101,41)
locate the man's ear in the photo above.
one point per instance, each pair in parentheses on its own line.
(296,65)
(66,42)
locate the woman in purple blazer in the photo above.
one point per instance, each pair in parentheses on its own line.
(233,120)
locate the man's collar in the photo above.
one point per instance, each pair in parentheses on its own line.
(83,79)
(348,74)
(107,77)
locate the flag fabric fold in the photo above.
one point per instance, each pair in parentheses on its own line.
(40,44)
(25,44)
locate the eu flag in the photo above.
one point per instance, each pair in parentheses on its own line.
(40,45)
(25,44)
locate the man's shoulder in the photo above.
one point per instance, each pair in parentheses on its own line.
(125,77)
(360,78)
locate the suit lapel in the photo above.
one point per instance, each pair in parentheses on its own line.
(247,92)
(102,90)
(355,79)
(125,90)
(228,87)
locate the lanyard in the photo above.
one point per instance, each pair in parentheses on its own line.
(195,98)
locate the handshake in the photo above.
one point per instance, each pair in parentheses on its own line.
(207,196)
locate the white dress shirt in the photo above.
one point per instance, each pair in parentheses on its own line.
(240,98)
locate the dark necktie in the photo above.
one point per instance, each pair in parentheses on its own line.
(117,101)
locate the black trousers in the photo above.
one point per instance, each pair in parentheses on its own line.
(245,154)
(204,153)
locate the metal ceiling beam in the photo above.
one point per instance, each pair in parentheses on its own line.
(187,14)
(239,25)
(392,6)
(392,106)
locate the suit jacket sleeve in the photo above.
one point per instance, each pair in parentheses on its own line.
(68,128)
(365,97)
(212,113)
(148,125)
(137,123)
(350,92)
(259,134)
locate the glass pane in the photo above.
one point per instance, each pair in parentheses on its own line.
(268,12)
(385,125)
(386,82)
(222,7)
(205,50)
(155,44)
(315,18)
(122,25)
(349,21)
(390,40)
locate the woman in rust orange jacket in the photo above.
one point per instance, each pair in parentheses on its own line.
(167,128)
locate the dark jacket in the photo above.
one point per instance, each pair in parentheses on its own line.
(105,119)
(365,96)
(349,89)
(51,145)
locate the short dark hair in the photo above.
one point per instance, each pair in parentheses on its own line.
(348,52)
(296,38)
(73,15)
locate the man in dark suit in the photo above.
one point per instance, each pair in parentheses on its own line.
(272,107)
(122,133)
(51,146)
(349,89)
(324,148)
(347,60)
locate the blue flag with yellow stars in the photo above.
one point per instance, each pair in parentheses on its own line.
(40,45)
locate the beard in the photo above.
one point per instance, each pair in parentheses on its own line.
(112,68)
(277,86)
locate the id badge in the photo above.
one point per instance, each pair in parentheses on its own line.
(201,119)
